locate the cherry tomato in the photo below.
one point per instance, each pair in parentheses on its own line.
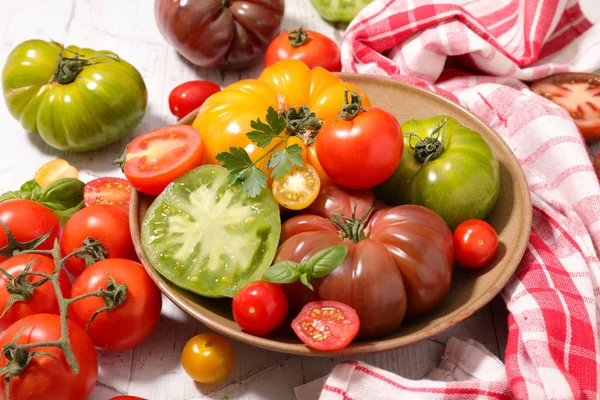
(188,96)
(260,307)
(326,325)
(362,152)
(579,94)
(112,191)
(208,358)
(50,378)
(297,189)
(313,48)
(55,170)
(28,220)
(475,243)
(108,224)
(42,301)
(112,330)
(156,158)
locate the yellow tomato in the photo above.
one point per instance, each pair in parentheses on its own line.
(297,189)
(208,358)
(224,119)
(55,170)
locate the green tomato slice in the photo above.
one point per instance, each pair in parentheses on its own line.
(208,236)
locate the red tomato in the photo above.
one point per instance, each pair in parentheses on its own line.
(579,94)
(260,307)
(313,48)
(326,325)
(155,159)
(475,243)
(111,191)
(50,378)
(128,324)
(28,220)
(362,152)
(188,96)
(43,300)
(108,224)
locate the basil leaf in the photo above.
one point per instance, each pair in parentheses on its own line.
(15,194)
(30,186)
(29,191)
(325,261)
(66,191)
(282,272)
(305,282)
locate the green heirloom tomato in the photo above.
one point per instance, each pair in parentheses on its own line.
(445,167)
(208,236)
(77,99)
(339,10)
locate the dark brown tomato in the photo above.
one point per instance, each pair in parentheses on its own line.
(334,199)
(219,33)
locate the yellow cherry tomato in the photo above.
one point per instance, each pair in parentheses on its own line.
(298,189)
(55,170)
(208,358)
(224,119)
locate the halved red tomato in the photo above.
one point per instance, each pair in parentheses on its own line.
(154,159)
(111,191)
(579,94)
(326,325)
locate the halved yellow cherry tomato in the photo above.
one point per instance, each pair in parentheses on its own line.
(55,170)
(208,358)
(298,189)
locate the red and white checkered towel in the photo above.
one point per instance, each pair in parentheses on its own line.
(553,349)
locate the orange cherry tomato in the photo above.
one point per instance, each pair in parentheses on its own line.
(55,170)
(208,358)
(297,189)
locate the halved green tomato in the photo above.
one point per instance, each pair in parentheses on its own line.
(208,236)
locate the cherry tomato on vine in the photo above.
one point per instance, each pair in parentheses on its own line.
(107,224)
(188,96)
(27,220)
(129,323)
(55,170)
(297,189)
(313,48)
(475,243)
(111,191)
(156,158)
(208,358)
(46,377)
(360,149)
(43,298)
(260,307)
(326,325)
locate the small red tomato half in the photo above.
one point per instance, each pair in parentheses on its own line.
(360,150)
(188,96)
(326,325)
(111,191)
(260,307)
(156,158)
(107,224)
(475,243)
(310,47)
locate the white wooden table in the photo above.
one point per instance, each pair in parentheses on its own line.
(153,369)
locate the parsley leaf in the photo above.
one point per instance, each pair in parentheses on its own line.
(282,160)
(263,133)
(236,158)
(254,182)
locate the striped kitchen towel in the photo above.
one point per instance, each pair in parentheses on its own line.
(553,299)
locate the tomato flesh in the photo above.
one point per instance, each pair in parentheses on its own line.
(156,158)
(260,307)
(475,243)
(208,358)
(298,189)
(579,94)
(188,96)
(111,191)
(326,325)
(55,170)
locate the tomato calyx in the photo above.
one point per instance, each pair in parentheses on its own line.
(303,123)
(353,105)
(19,287)
(353,228)
(429,148)
(14,246)
(68,68)
(114,295)
(297,37)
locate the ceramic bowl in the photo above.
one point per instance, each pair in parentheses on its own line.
(470,289)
